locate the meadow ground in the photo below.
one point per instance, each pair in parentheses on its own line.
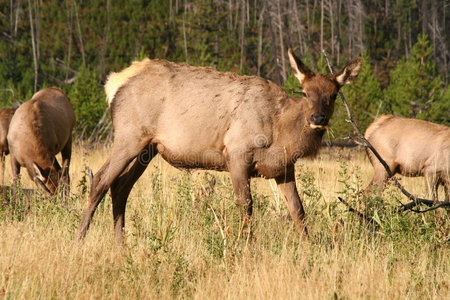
(182,239)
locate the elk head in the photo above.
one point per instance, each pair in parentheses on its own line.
(320,91)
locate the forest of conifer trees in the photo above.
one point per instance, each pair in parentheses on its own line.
(75,44)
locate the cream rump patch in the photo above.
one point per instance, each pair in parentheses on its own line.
(116,80)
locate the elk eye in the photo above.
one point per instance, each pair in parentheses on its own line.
(304,94)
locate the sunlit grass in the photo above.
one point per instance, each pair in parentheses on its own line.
(182,239)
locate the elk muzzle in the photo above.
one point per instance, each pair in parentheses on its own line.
(319,121)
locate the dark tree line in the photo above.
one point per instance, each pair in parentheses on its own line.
(75,44)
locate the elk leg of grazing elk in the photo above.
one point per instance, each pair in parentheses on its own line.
(197,117)
(423,149)
(5,119)
(2,167)
(66,155)
(39,130)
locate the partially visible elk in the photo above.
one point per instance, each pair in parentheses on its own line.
(410,147)
(197,117)
(5,118)
(40,129)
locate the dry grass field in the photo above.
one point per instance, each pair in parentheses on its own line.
(182,239)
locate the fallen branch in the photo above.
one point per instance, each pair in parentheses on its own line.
(363,216)
(364,142)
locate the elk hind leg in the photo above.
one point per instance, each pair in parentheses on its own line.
(121,155)
(121,188)
(447,188)
(379,179)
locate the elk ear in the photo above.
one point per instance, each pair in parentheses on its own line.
(349,72)
(38,173)
(301,71)
(39,178)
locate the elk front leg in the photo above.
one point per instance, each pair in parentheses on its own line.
(432,181)
(447,189)
(241,185)
(2,166)
(15,169)
(66,155)
(288,191)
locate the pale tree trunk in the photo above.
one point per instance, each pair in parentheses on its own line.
(33,44)
(104,48)
(321,25)
(355,27)
(444,43)
(14,16)
(16,23)
(11,16)
(331,16)
(242,34)
(339,34)
(80,36)
(247,11)
(230,15)
(361,19)
(260,37)
(186,57)
(37,27)
(70,34)
(308,21)
(281,40)
(170,12)
(301,39)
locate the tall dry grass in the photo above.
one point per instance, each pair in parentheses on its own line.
(183,240)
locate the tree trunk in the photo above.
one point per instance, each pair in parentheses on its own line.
(260,38)
(80,37)
(280,32)
(33,44)
(321,25)
(242,35)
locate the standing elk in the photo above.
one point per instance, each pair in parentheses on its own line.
(40,129)
(412,148)
(197,117)
(5,118)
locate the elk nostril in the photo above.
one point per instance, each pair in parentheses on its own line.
(319,119)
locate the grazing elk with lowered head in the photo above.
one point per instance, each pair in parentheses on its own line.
(197,117)
(410,147)
(40,129)
(5,118)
